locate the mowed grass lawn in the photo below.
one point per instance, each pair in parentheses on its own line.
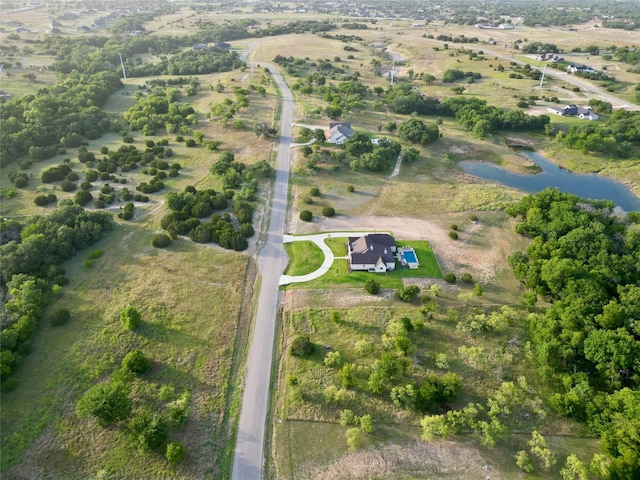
(190,299)
(339,275)
(305,257)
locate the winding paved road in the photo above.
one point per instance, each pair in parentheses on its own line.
(272,260)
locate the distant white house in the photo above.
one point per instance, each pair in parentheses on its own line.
(372,253)
(580,69)
(584,113)
(506,26)
(587,114)
(339,133)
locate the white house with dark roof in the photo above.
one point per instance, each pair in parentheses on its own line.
(339,133)
(372,253)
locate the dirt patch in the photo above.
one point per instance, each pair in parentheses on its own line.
(420,459)
(481,249)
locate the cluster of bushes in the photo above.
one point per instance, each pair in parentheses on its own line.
(149,423)
(19,179)
(453,74)
(36,123)
(127,212)
(616,137)
(187,208)
(374,158)
(45,199)
(31,258)
(160,109)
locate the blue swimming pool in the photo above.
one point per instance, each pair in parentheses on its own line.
(410,256)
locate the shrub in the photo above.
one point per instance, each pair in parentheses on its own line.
(301,346)
(308,200)
(42,200)
(466,278)
(454,226)
(108,402)
(408,293)
(351,188)
(372,286)
(306,215)
(60,317)
(190,142)
(453,235)
(161,240)
(314,192)
(73,176)
(149,432)
(136,362)
(328,211)
(473,218)
(450,278)
(67,185)
(179,138)
(175,453)
(130,318)
(127,139)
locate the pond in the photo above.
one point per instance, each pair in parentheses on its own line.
(591,186)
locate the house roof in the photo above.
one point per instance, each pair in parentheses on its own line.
(372,249)
(338,130)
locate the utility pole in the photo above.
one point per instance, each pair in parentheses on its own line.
(124,74)
(542,78)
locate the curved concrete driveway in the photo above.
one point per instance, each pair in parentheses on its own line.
(318,239)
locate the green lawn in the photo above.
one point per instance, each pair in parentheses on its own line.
(305,257)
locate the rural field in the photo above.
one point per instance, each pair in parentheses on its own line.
(134,210)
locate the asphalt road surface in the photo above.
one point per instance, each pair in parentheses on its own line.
(272,260)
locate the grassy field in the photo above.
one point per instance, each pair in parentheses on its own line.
(307,419)
(190,298)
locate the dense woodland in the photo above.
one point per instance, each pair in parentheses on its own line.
(586,262)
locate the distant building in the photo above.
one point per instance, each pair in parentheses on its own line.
(506,26)
(584,113)
(199,46)
(223,45)
(580,69)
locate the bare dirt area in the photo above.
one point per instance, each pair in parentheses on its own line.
(481,249)
(420,459)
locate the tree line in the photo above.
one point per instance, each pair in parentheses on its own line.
(31,257)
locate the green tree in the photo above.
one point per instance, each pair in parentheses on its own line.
(372,286)
(150,431)
(301,346)
(408,293)
(354,438)
(130,318)
(175,453)
(366,424)
(108,402)
(540,448)
(416,131)
(136,362)
(523,461)
(574,469)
